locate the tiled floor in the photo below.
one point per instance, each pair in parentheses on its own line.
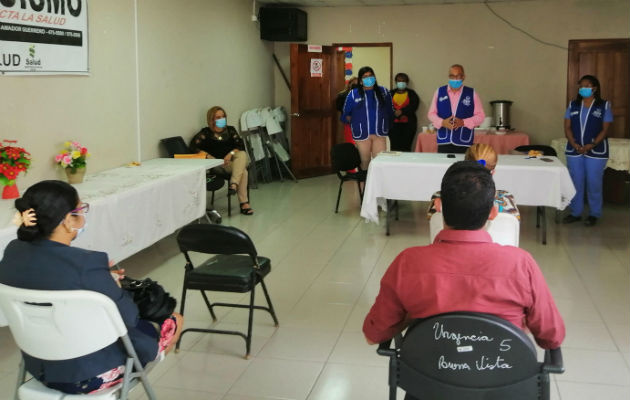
(326,272)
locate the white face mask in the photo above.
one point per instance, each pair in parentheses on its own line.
(81,229)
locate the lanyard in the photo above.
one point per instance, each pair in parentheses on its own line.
(454,112)
(583,125)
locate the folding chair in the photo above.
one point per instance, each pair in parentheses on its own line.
(235,268)
(177,145)
(465,355)
(345,157)
(44,324)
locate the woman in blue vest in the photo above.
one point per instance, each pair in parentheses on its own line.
(368,109)
(585,125)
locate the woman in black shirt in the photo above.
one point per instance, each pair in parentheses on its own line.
(221,141)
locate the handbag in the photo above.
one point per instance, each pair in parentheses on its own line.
(154,303)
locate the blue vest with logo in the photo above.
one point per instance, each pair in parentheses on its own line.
(465,109)
(584,135)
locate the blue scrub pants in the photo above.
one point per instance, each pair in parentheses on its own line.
(587,174)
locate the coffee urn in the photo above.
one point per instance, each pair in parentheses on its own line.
(501,113)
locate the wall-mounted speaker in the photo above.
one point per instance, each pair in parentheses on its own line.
(280,24)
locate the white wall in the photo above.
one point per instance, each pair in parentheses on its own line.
(375,57)
(42,112)
(193,54)
(501,63)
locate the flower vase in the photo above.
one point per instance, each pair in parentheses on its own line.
(10,192)
(75,177)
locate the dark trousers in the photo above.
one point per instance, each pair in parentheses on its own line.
(401,136)
(451,148)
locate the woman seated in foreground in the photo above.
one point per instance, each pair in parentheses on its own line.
(50,217)
(486,156)
(221,141)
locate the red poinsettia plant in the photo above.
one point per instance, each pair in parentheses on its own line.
(13,160)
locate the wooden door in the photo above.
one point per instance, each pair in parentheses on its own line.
(315,79)
(607,59)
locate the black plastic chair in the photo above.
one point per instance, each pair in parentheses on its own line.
(177,145)
(540,210)
(471,356)
(236,267)
(345,157)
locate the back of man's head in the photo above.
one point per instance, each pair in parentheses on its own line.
(467,195)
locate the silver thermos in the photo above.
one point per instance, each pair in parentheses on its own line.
(501,113)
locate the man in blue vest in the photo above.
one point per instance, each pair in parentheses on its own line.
(455,111)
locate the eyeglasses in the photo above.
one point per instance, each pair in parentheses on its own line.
(456,76)
(83,208)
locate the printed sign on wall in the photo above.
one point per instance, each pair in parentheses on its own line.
(45,37)
(316,67)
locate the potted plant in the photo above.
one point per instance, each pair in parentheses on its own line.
(13,160)
(73,159)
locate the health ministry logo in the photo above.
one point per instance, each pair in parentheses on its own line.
(33,63)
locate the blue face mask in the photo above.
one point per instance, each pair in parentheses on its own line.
(455,83)
(368,81)
(220,123)
(585,92)
(401,85)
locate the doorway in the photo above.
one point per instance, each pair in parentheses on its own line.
(379,56)
(607,59)
(315,73)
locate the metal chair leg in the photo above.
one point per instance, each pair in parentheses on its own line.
(209,305)
(181,311)
(543,217)
(229,198)
(271,309)
(248,341)
(360,192)
(338,197)
(387,214)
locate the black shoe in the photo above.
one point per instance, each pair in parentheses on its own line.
(590,221)
(569,219)
(214,216)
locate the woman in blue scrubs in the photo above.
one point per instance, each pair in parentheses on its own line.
(585,125)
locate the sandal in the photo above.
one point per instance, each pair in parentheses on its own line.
(232,188)
(246,211)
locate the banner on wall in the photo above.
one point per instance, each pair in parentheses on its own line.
(43,37)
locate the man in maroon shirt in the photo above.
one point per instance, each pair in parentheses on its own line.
(463,270)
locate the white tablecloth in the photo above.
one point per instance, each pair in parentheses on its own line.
(619,152)
(416,176)
(133,207)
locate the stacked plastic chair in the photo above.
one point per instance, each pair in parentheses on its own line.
(262,129)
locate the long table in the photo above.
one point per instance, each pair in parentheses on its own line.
(416,176)
(132,207)
(502,144)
